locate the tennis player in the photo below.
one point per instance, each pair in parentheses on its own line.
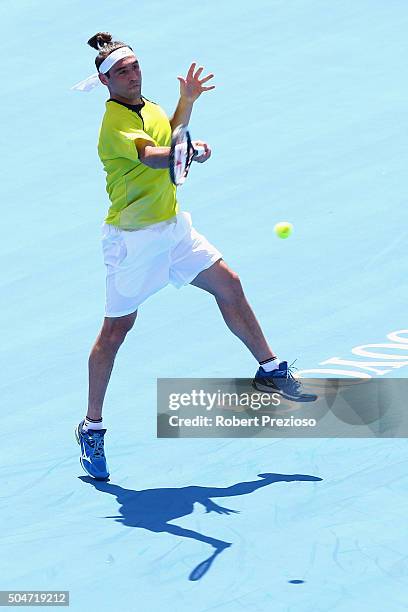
(147,242)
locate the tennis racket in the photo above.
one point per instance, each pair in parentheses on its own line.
(182,153)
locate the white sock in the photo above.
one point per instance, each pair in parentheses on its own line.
(89,424)
(270,364)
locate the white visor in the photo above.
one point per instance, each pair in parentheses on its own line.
(114,57)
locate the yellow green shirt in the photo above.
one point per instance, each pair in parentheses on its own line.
(139,195)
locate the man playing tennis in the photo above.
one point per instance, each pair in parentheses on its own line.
(147,242)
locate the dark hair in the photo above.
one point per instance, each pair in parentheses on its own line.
(102,42)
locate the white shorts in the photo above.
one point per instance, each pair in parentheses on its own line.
(141,262)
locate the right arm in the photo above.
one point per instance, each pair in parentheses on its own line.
(158,157)
(152,156)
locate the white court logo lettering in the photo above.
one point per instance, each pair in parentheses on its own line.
(392,358)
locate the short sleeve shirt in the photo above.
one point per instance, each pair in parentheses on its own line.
(139,195)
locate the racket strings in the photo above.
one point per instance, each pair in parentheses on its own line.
(181,155)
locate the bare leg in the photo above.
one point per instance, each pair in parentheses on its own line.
(102,357)
(225,286)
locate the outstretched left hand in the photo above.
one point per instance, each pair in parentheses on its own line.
(191,87)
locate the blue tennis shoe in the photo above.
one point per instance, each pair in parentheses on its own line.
(282,381)
(92,457)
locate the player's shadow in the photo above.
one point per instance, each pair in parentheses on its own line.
(152,509)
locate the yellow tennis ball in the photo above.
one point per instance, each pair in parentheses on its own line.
(283,229)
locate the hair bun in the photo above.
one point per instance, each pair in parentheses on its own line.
(100,40)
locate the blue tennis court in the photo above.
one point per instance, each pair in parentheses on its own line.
(308,125)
